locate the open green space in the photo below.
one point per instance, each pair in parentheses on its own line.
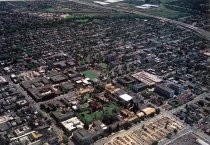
(134,2)
(165,12)
(86,97)
(174,103)
(88,116)
(90,74)
(103,65)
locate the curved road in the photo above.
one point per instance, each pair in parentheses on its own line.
(203,33)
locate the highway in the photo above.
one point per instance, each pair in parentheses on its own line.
(199,31)
(202,33)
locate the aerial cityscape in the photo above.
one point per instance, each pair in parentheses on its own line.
(104,72)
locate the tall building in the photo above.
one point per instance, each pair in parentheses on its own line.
(164,91)
(177,88)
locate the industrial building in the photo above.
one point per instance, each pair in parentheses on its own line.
(147,78)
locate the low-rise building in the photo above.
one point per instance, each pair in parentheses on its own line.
(72,124)
(82,137)
(149,110)
(3,81)
(139,87)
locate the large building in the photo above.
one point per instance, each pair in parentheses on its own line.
(72,124)
(3,81)
(164,91)
(82,137)
(147,78)
(122,97)
(177,88)
(139,87)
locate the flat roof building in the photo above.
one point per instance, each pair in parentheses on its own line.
(62,116)
(126,97)
(3,81)
(177,88)
(149,110)
(72,124)
(110,88)
(139,87)
(164,91)
(147,78)
(83,137)
(3,119)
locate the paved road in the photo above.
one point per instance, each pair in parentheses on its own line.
(174,137)
(136,127)
(37,106)
(191,102)
(133,128)
(203,33)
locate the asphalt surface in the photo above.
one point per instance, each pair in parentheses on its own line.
(201,32)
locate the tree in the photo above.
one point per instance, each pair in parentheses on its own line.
(65,139)
(118,127)
(86,125)
(166,125)
(4,141)
(143,126)
(175,131)
(158,110)
(110,130)
(169,136)
(155,143)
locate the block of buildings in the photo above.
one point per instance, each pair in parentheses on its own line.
(111,88)
(72,124)
(164,91)
(177,88)
(139,87)
(3,81)
(82,137)
(149,110)
(147,78)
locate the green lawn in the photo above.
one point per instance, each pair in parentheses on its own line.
(165,12)
(50,9)
(86,97)
(103,65)
(90,74)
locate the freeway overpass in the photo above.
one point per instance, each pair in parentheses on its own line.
(202,33)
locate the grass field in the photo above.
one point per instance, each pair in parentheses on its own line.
(90,74)
(165,12)
(103,65)
(160,11)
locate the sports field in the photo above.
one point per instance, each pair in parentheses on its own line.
(90,74)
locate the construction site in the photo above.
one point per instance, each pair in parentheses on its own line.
(149,133)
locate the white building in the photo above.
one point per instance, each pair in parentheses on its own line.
(72,124)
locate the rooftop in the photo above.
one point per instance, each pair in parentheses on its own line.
(72,123)
(147,78)
(126,97)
